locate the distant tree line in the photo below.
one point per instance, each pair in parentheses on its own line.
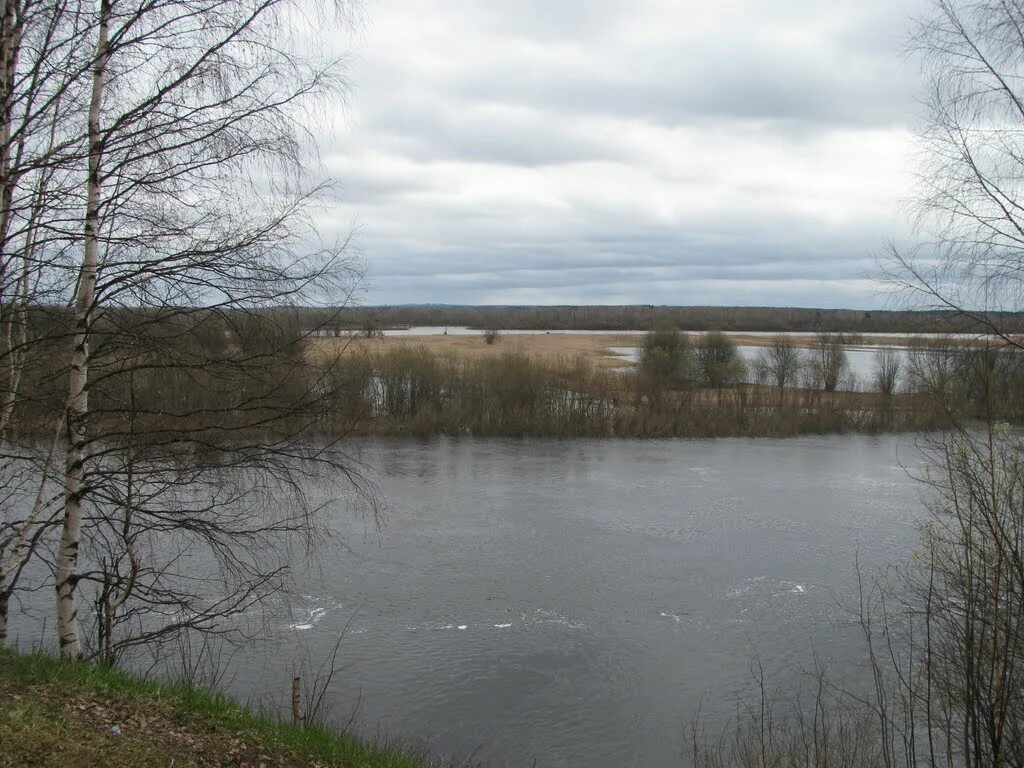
(642,317)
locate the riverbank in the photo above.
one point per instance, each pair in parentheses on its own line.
(54,713)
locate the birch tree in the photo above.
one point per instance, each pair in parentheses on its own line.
(159,179)
(78,397)
(196,213)
(41,76)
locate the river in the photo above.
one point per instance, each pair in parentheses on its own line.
(574,602)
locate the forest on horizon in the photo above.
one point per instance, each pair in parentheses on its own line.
(687,318)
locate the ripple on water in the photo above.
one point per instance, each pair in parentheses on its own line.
(314,615)
(535,618)
(762,586)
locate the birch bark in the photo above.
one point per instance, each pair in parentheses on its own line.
(68,631)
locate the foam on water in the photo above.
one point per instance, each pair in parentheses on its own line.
(793,587)
(762,585)
(547,616)
(540,616)
(315,615)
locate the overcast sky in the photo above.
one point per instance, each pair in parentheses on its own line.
(650,151)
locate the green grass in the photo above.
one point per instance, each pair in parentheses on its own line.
(57,713)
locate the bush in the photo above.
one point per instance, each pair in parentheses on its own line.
(718,362)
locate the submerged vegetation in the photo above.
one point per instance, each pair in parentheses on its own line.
(200,377)
(678,389)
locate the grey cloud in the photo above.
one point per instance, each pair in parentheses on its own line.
(638,259)
(852,72)
(741,83)
(682,289)
(448,127)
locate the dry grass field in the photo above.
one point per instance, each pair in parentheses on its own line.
(551,346)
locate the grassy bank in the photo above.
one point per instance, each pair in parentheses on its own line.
(53,713)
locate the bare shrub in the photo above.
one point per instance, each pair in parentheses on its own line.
(781,362)
(887,370)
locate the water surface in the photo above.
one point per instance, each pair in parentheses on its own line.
(574,602)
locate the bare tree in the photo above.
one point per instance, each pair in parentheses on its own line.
(887,369)
(42,74)
(944,633)
(969,210)
(155,177)
(781,362)
(828,366)
(214,120)
(942,638)
(965,627)
(65,575)
(957,625)
(41,79)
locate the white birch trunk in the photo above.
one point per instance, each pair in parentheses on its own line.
(68,630)
(9,44)
(4,603)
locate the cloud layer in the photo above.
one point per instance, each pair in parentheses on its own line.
(598,151)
